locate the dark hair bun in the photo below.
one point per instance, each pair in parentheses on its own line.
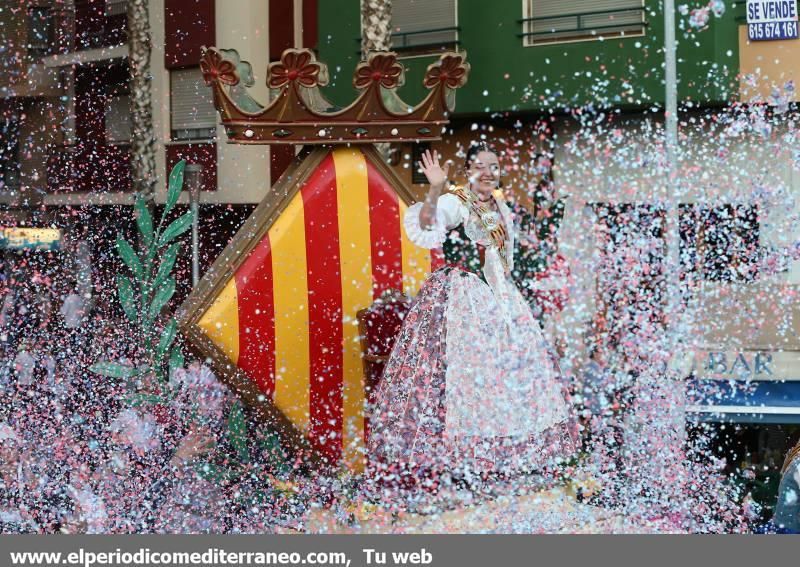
(474,149)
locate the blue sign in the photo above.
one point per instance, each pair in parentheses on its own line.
(30,238)
(771,20)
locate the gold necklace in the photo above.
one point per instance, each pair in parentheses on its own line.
(490,220)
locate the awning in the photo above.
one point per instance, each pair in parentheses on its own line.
(745,401)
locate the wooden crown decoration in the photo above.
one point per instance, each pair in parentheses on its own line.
(300,114)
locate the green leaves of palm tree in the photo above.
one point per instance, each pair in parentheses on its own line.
(112,369)
(176,228)
(135,400)
(144,221)
(167,336)
(167,263)
(273,453)
(129,256)
(551,222)
(175,360)
(174,186)
(237,432)
(258,497)
(216,474)
(162,296)
(144,301)
(126,297)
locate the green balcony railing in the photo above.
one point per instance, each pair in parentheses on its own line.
(582,23)
(403,42)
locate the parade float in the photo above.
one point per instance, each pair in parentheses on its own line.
(298,312)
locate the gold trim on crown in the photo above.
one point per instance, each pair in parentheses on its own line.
(300,114)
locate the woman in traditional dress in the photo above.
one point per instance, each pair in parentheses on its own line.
(787,510)
(470,393)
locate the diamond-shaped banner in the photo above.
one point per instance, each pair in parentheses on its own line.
(277,310)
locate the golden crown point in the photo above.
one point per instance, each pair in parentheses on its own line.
(300,114)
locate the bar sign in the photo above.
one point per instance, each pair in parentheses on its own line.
(769,20)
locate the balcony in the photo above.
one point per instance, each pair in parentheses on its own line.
(583,26)
(28,80)
(91,32)
(84,169)
(42,31)
(424,42)
(28,36)
(100,24)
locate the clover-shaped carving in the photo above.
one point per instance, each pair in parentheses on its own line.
(295,65)
(215,67)
(451,70)
(381,68)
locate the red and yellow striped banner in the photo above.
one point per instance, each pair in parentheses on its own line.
(287,317)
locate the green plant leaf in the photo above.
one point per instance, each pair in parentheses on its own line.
(237,432)
(162,296)
(126,297)
(166,265)
(142,369)
(176,228)
(549,225)
(129,256)
(144,221)
(112,369)
(167,336)
(175,359)
(258,497)
(216,473)
(273,453)
(175,185)
(136,400)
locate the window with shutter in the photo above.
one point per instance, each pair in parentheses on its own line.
(424,26)
(40,31)
(116,7)
(118,119)
(193,116)
(9,153)
(551,21)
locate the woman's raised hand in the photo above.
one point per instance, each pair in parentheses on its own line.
(437,176)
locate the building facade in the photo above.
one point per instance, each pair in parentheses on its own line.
(579,87)
(65,106)
(557,87)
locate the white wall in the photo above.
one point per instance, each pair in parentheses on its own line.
(621,163)
(243,171)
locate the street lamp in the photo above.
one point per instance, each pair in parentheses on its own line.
(671,233)
(193,174)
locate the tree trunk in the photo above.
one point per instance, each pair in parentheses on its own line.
(376,23)
(376,35)
(143,159)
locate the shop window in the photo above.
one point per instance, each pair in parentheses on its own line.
(424,26)
(720,243)
(40,31)
(192,112)
(118,119)
(630,284)
(554,21)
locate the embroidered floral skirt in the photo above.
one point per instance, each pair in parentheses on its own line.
(470,391)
